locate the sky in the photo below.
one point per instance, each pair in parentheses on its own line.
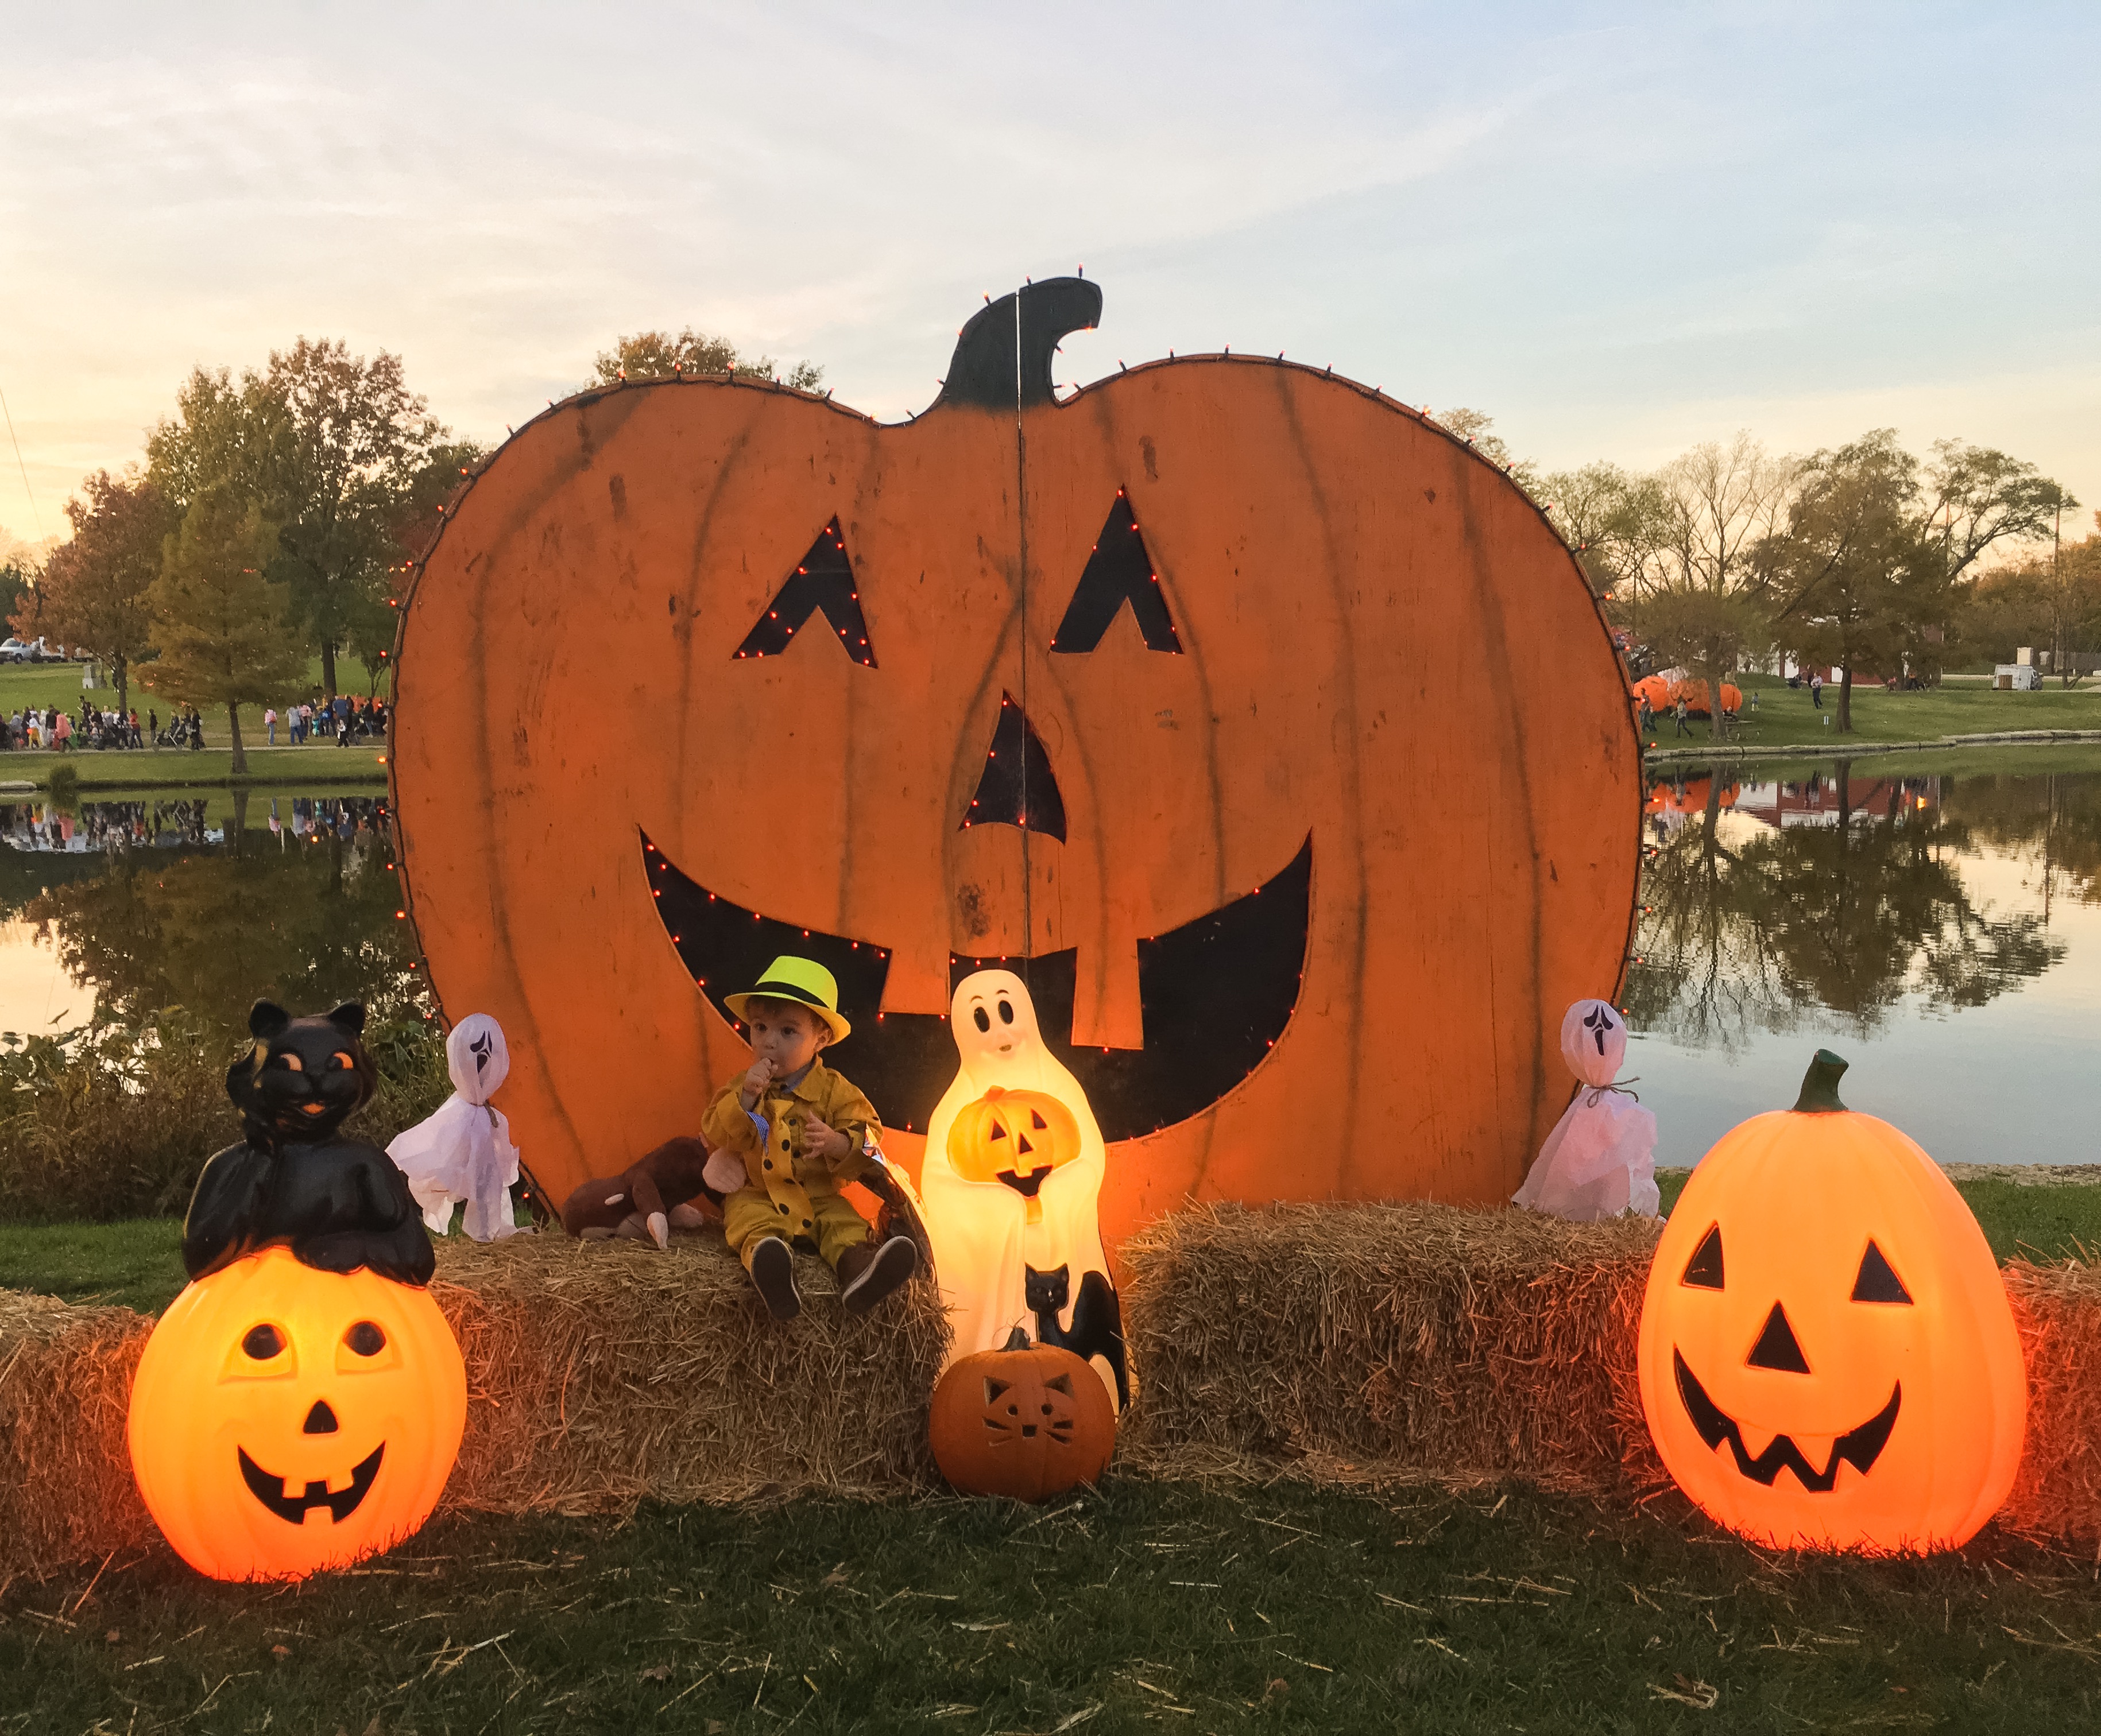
(1620,230)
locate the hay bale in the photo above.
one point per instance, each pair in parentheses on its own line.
(1417,1338)
(2058,1308)
(600,1373)
(66,1492)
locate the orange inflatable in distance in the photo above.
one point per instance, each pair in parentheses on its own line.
(285,1419)
(1160,694)
(1827,1357)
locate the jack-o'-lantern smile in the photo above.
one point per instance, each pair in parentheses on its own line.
(293,1508)
(1858,1447)
(1216,994)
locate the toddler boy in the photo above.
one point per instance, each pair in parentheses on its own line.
(789,1131)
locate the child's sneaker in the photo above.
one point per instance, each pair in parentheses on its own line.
(773,1272)
(867,1275)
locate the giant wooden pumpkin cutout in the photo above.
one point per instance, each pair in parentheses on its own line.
(285,1419)
(1827,1357)
(1268,730)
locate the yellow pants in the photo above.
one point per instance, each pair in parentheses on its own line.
(749,1216)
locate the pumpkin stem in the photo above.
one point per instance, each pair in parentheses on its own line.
(1016,1340)
(1820,1086)
(982,371)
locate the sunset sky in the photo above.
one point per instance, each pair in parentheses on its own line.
(1620,230)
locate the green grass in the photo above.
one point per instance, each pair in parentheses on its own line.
(135,1262)
(2042,1224)
(58,684)
(1786,719)
(1137,1605)
(309,766)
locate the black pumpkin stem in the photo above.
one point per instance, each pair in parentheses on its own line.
(983,372)
(1820,1086)
(1016,1340)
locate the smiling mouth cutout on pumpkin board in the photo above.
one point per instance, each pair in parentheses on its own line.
(1216,994)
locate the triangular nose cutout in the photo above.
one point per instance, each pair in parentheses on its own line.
(1017,787)
(321,1420)
(1776,1347)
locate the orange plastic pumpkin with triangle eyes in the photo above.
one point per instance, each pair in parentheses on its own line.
(1827,1357)
(284,1420)
(1015,1137)
(1028,1421)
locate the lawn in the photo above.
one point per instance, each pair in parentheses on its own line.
(1785,717)
(315,763)
(1137,1605)
(1287,1607)
(48,685)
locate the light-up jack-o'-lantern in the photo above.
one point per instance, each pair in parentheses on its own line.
(1143,684)
(1827,1356)
(1016,1138)
(1027,1421)
(285,1419)
(1016,1238)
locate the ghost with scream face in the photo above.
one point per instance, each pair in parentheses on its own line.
(1600,1159)
(1012,1176)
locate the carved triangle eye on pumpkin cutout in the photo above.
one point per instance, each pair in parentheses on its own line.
(1119,571)
(822,582)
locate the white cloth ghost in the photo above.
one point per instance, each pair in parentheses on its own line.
(1600,1159)
(463,1154)
(983,1240)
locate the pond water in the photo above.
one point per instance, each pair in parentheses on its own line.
(1936,920)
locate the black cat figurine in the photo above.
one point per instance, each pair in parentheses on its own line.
(338,1203)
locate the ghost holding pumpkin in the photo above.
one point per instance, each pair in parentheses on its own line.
(1010,1186)
(1600,1159)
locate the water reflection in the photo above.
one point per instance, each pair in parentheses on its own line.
(1762,901)
(1936,920)
(206,901)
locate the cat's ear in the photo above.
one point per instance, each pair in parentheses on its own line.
(267,1019)
(348,1019)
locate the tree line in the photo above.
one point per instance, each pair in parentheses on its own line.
(264,529)
(1863,557)
(272,519)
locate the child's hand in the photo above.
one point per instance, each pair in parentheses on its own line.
(756,1079)
(828,1143)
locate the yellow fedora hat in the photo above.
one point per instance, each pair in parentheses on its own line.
(801,980)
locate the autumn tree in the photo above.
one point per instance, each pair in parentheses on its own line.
(1857,577)
(221,621)
(329,446)
(1477,429)
(92,594)
(1975,497)
(655,355)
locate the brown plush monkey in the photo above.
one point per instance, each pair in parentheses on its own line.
(647,1201)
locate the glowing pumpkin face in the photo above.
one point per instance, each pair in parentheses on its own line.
(1028,1421)
(1017,1137)
(1141,688)
(1827,1356)
(285,1419)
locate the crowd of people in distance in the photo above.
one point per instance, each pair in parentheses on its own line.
(346,721)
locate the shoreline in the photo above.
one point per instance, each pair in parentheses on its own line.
(1653,755)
